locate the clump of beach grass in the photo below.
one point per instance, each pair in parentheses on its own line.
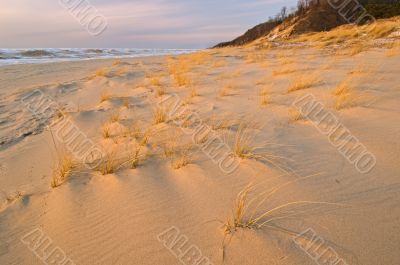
(304,82)
(219,64)
(106,130)
(284,70)
(135,156)
(160,114)
(160,91)
(264,97)
(155,81)
(103,72)
(126,103)
(115,116)
(295,115)
(105,96)
(108,164)
(343,87)
(63,169)
(345,100)
(246,213)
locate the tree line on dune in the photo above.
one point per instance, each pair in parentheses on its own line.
(319,10)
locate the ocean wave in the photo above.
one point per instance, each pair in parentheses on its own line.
(25,56)
(36,53)
(94,50)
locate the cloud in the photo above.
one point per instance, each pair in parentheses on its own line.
(135,23)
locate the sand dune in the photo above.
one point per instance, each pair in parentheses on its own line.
(154,176)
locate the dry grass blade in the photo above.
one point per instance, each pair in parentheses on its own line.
(160,114)
(243,203)
(63,170)
(105,96)
(304,82)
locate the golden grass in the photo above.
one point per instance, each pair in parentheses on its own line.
(344,92)
(179,66)
(295,115)
(193,92)
(246,213)
(160,91)
(181,158)
(304,82)
(219,64)
(343,87)
(102,72)
(105,131)
(224,91)
(254,58)
(356,49)
(155,81)
(115,116)
(160,114)
(345,100)
(350,32)
(108,164)
(265,100)
(264,97)
(126,103)
(285,61)
(242,147)
(135,157)
(394,50)
(63,170)
(243,143)
(382,28)
(236,73)
(223,122)
(105,96)
(199,58)
(284,71)
(392,53)
(181,79)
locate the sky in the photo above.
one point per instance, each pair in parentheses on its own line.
(130,23)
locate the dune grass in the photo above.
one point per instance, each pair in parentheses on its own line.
(284,70)
(109,164)
(350,32)
(181,159)
(135,156)
(264,97)
(155,81)
(219,64)
(105,96)
(160,114)
(345,100)
(115,116)
(304,82)
(178,155)
(224,91)
(343,87)
(160,91)
(106,131)
(103,72)
(126,103)
(246,213)
(243,143)
(295,115)
(63,169)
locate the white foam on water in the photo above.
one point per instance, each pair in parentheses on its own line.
(46,55)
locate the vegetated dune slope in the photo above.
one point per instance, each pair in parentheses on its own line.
(114,213)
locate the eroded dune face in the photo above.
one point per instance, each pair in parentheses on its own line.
(148,161)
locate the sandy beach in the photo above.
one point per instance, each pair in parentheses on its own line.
(159,189)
